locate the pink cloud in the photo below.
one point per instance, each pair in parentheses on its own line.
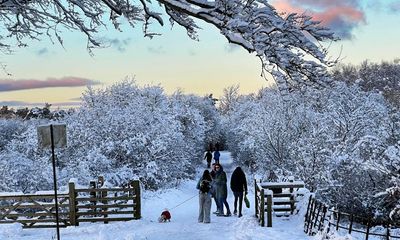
(25,84)
(346,12)
(340,16)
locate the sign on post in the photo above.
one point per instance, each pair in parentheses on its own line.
(59,136)
(53,136)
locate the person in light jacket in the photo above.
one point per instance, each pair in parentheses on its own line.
(205,186)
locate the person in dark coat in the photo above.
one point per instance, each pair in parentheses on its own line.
(208,157)
(221,191)
(205,187)
(238,186)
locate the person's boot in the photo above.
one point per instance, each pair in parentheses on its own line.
(240,215)
(235,212)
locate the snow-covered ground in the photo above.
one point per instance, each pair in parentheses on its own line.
(184,223)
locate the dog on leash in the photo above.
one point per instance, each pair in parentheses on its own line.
(165,216)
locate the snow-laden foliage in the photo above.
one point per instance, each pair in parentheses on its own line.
(328,138)
(9,130)
(383,77)
(288,45)
(123,132)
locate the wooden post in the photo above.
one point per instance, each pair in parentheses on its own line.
(329,220)
(103,194)
(100,181)
(368,227)
(72,204)
(322,220)
(312,209)
(314,224)
(338,221)
(255,197)
(269,208)
(136,199)
(388,232)
(92,185)
(262,207)
(307,213)
(312,216)
(351,223)
(292,198)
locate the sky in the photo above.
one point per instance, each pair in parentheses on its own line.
(46,72)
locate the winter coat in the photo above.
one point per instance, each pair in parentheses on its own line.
(221,189)
(208,156)
(216,155)
(238,181)
(211,185)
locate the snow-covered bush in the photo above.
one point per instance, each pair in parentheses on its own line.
(9,130)
(122,132)
(329,138)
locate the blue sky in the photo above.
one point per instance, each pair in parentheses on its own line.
(173,60)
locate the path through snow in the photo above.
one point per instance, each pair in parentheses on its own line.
(184,223)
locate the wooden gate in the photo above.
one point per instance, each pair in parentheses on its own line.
(270,198)
(34,210)
(77,205)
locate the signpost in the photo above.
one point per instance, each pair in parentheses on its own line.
(52,136)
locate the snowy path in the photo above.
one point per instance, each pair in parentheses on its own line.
(184,223)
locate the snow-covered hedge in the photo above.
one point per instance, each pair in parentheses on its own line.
(122,132)
(333,139)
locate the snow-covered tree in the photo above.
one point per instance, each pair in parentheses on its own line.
(9,130)
(383,77)
(288,45)
(329,138)
(122,132)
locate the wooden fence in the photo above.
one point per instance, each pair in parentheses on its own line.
(268,199)
(320,216)
(75,206)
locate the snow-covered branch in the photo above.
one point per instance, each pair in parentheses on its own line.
(287,45)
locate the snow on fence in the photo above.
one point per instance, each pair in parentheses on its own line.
(270,197)
(75,206)
(320,217)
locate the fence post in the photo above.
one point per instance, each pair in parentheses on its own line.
(136,199)
(312,207)
(322,220)
(388,232)
(338,221)
(307,214)
(262,207)
(255,197)
(291,180)
(269,208)
(351,223)
(92,194)
(331,216)
(314,224)
(312,217)
(72,204)
(368,227)
(103,194)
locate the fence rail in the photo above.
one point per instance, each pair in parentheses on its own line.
(78,205)
(320,216)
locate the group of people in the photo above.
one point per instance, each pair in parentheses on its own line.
(209,156)
(213,184)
